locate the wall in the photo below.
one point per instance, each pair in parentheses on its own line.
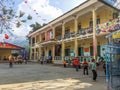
(5,53)
(105,15)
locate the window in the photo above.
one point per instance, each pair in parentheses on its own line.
(91,50)
(80,51)
(91,23)
(79,26)
(33,40)
(98,50)
(57,50)
(115,15)
(98,21)
(67,52)
(67,31)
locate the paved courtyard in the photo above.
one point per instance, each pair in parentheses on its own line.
(34,76)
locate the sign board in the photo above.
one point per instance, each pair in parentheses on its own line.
(116,35)
(113,3)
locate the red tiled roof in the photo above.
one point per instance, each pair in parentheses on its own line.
(5,45)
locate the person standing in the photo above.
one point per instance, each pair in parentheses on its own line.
(64,62)
(76,63)
(85,67)
(93,68)
(10,61)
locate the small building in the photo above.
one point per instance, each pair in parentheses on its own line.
(7,49)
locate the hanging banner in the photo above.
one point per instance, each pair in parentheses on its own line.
(113,3)
(116,35)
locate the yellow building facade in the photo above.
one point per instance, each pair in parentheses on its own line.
(7,49)
(78,33)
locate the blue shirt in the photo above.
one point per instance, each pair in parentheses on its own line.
(93,66)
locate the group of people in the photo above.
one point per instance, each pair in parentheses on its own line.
(17,59)
(86,65)
(43,59)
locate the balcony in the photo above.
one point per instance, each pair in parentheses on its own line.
(85,31)
(35,45)
(58,37)
(69,35)
(111,26)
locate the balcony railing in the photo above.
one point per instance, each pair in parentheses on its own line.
(57,58)
(58,37)
(88,58)
(110,26)
(85,31)
(68,35)
(69,57)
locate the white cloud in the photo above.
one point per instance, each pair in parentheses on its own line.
(22,31)
(32,7)
(43,8)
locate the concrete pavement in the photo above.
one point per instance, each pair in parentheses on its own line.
(47,77)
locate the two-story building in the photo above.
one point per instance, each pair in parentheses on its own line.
(78,33)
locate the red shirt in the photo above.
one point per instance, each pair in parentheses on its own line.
(85,63)
(76,62)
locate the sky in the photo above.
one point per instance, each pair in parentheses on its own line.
(42,11)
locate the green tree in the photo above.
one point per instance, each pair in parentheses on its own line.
(35,26)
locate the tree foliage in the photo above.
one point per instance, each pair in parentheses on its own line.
(35,26)
(9,17)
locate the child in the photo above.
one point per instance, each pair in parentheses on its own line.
(64,62)
(93,67)
(85,67)
(10,61)
(76,63)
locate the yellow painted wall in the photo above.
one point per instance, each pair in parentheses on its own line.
(84,43)
(87,43)
(4,53)
(38,38)
(67,44)
(105,15)
(70,26)
(116,35)
(85,22)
